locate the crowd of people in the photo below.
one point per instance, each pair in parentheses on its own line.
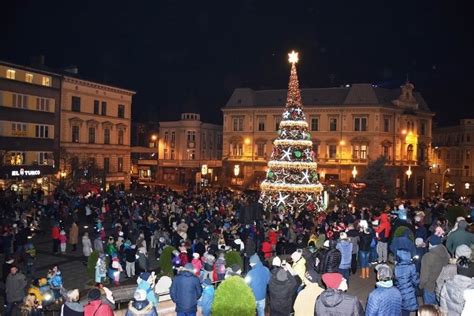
(300,263)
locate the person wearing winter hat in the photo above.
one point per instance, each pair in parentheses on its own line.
(140,305)
(282,289)
(365,241)
(207,298)
(385,299)
(299,264)
(431,265)
(96,306)
(309,293)
(334,300)
(420,249)
(460,237)
(451,296)
(197,264)
(276,262)
(186,290)
(233,270)
(345,247)
(72,307)
(257,278)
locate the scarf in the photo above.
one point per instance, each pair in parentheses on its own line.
(385,284)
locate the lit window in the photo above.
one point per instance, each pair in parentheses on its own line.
(11,74)
(46,81)
(29,78)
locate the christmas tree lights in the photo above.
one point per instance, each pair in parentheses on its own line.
(292,182)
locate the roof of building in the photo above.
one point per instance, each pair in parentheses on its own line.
(360,94)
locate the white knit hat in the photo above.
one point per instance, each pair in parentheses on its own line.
(276,262)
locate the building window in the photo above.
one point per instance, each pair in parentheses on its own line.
(237,149)
(386,151)
(120,164)
(18,129)
(386,124)
(359,151)
(44,158)
(360,124)
(75,104)
(468,138)
(42,131)
(261,123)
(172,154)
(332,151)
(104,108)
(120,137)
(423,128)
(17,158)
(96,107)
(261,149)
(91,135)
(315,124)
(20,101)
(238,123)
(42,104)
(11,74)
(315,150)
(277,122)
(29,78)
(121,111)
(173,139)
(332,124)
(191,154)
(106,164)
(107,136)
(191,136)
(203,140)
(468,154)
(410,152)
(75,134)
(46,81)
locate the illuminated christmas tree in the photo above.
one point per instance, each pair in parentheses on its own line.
(292,181)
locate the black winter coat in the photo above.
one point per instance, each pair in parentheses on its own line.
(335,302)
(282,293)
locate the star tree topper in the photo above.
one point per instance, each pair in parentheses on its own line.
(293,57)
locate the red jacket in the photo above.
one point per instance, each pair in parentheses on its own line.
(98,308)
(267,249)
(55,232)
(383,230)
(273,236)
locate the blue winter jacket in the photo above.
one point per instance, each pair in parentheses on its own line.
(185,292)
(258,278)
(384,301)
(207,299)
(403,242)
(406,280)
(345,247)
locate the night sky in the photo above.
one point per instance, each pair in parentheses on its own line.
(182,55)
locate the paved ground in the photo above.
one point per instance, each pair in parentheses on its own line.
(74,270)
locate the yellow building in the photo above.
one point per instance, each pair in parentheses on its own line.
(349,125)
(185,146)
(452,159)
(95,130)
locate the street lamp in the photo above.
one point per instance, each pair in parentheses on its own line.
(156,142)
(236,170)
(354,172)
(409,172)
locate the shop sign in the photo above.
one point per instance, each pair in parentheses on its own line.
(28,173)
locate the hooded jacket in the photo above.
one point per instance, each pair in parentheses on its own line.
(185,292)
(207,299)
(406,280)
(282,291)
(72,309)
(304,301)
(141,308)
(459,237)
(15,287)
(405,242)
(383,230)
(336,302)
(431,265)
(258,278)
(384,301)
(452,298)
(345,247)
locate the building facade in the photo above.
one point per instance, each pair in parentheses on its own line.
(144,153)
(349,126)
(452,160)
(29,128)
(185,146)
(95,131)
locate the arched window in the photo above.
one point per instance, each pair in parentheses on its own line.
(106,136)
(120,136)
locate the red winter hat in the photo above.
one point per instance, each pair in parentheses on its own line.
(332,280)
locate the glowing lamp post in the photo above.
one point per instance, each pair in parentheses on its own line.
(409,172)
(236,170)
(354,172)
